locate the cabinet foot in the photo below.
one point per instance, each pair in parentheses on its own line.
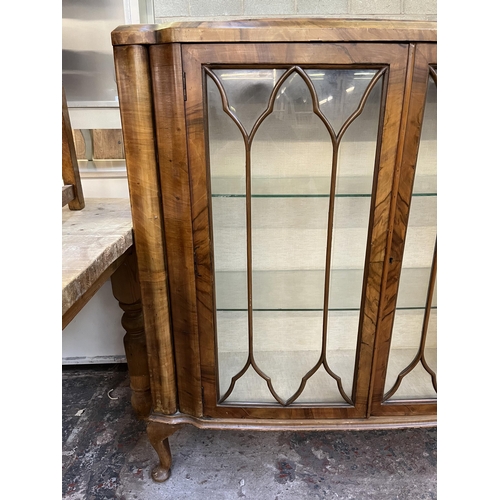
(158,434)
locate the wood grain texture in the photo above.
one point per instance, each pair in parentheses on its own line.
(324,55)
(70,313)
(166,149)
(301,425)
(277,30)
(126,289)
(136,107)
(80,147)
(70,172)
(176,198)
(92,241)
(158,434)
(108,144)
(422,55)
(68,194)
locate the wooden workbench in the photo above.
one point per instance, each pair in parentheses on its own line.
(97,245)
(94,242)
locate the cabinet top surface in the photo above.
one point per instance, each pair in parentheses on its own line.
(277,30)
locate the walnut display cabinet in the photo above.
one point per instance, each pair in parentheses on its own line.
(282,178)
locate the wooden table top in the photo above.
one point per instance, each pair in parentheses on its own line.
(92,239)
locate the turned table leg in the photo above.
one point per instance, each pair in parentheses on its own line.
(125,285)
(158,434)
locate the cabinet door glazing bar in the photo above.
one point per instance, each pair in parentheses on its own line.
(248,138)
(386,71)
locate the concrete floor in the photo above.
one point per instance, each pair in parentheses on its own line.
(106,454)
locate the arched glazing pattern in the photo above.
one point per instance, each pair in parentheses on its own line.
(412,366)
(276,315)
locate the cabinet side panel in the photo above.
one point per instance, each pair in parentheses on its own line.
(136,108)
(421,55)
(176,197)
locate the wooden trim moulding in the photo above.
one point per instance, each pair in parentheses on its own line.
(302,425)
(166,70)
(277,30)
(422,55)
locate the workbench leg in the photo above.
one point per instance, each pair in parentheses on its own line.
(125,285)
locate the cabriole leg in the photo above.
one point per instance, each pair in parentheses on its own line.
(158,434)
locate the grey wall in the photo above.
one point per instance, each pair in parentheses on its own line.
(178,10)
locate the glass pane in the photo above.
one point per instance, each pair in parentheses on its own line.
(227,148)
(248,91)
(232,345)
(358,149)
(340,92)
(416,272)
(321,387)
(287,346)
(356,165)
(251,387)
(426,173)
(341,353)
(290,161)
(227,156)
(292,150)
(430,350)
(289,234)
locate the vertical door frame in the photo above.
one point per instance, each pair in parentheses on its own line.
(394,56)
(170,130)
(422,57)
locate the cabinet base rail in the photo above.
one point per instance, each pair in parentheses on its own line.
(161,427)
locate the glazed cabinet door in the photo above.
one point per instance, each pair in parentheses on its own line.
(292,152)
(405,378)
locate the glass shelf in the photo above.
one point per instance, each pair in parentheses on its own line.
(355,186)
(304,290)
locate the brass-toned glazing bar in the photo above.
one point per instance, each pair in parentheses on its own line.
(322,359)
(250,360)
(343,129)
(270,105)
(248,139)
(420,356)
(427,316)
(433,72)
(362,103)
(335,144)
